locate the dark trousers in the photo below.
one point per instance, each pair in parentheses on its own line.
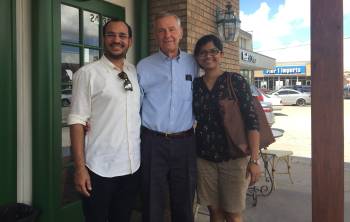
(168,165)
(111,199)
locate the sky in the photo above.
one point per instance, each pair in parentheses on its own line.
(281,28)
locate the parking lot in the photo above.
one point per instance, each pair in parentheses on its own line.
(296,122)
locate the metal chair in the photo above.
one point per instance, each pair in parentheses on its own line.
(274,157)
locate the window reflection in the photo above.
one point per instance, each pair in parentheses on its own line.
(70,63)
(90,55)
(69,24)
(91,28)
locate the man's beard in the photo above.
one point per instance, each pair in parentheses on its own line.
(110,54)
(114,56)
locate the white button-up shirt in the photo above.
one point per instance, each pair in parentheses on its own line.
(112,145)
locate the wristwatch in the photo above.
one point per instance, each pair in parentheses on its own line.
(252,161)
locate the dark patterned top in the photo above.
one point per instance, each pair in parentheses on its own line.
(210,135)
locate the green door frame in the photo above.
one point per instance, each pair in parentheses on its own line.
(8,98)
(46,89)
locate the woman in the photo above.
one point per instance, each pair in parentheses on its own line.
(222,179)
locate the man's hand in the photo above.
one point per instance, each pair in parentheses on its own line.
(82,181)
(254,171)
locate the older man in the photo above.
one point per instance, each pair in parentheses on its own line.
(167,141)
(106,94)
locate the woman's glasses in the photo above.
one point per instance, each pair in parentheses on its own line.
(210,52)
(127,83)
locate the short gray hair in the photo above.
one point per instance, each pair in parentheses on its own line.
(164,14)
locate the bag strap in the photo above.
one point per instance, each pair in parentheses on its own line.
(231,92)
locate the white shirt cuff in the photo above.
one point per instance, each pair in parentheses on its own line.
(76,119)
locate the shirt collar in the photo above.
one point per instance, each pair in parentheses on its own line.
(109,64)
(165,57)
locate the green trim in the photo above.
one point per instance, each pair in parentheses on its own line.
(46,85)
(8,98)
(45,80)
(98,6)
(141,18)
(81,45)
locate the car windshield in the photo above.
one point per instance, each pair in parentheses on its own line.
(264,94)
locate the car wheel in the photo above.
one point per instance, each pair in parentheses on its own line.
(65,102)
(301,102)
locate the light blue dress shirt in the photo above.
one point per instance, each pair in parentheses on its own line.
(166,91)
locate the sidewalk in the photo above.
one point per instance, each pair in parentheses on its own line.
(289,202)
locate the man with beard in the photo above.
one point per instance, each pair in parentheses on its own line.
(106,94)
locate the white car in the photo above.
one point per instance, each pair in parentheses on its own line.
(66,97)
(276,101)
(270,116)
(293,97)
(267,106)
(262,97)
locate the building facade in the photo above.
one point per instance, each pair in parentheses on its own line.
(45,42)
(284,74)
(250,61)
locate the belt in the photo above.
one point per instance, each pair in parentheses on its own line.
(178,135)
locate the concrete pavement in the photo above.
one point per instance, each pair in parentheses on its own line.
(288,202)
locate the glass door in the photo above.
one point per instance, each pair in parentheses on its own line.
(81,43)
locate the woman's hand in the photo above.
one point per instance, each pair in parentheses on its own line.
(87,128)
(254,171)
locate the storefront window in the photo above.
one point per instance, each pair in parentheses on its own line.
(91,28)
(80,44)
(69,24)
(90,55)
(70,63)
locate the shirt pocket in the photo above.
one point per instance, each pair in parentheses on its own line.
(186,90)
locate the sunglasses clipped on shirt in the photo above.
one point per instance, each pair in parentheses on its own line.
(127,83)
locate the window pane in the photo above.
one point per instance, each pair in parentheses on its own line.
(91,31)
(90,55)
(69,24)
(69,65)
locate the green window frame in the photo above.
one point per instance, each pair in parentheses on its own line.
(46,103)
(8,98)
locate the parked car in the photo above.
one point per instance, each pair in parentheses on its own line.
(274,100)
(267,106)
(301,88)
(270,116)
(265,90)
(293,97)
(66,96)
(346,92)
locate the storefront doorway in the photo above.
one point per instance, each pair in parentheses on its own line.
(77,40)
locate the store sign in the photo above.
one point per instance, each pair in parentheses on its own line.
(285,70)
(248,57)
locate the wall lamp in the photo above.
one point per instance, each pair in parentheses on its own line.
(228,23)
